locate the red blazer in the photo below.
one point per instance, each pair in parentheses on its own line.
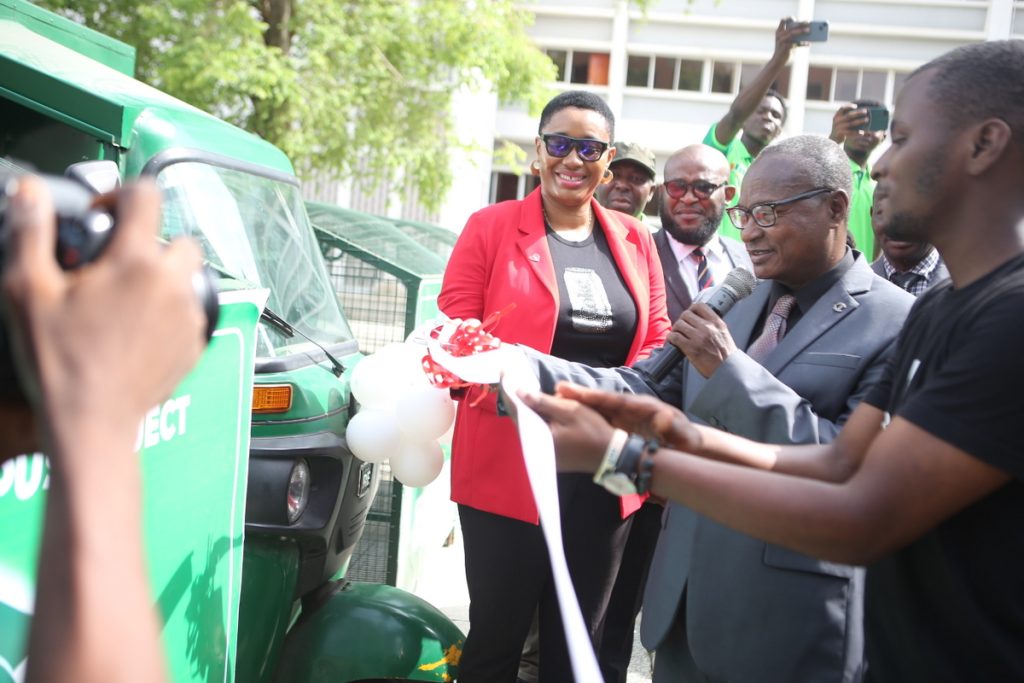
(500,258)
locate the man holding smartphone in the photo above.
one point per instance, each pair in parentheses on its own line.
(755,118)
(860,127)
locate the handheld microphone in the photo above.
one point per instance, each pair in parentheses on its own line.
(738,284)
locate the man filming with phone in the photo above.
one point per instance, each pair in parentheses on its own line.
(755,118)
(860,127)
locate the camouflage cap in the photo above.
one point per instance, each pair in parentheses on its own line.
(627,151)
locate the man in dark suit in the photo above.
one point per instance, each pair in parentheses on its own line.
(913,265)
(721,605)
(693,199)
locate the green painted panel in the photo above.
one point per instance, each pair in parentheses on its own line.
(195,454)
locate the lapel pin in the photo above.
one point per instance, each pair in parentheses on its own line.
(534,257)
(839,307)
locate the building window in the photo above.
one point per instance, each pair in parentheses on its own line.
(749,71)
(899,78)
(690,71)
(637,69)
(846,85)
(872,85)
(832,84)
(576,66)
(670,73)
(505,186)
(559,58)
(721,77)
(819,83)
(664,73)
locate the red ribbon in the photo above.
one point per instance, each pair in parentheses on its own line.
(469,338)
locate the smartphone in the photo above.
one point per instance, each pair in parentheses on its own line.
(817,32)
(878,119)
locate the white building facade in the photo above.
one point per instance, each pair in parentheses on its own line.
(671,72)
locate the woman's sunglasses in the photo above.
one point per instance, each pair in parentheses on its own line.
(560,146)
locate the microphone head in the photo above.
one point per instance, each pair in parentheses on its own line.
(741,281)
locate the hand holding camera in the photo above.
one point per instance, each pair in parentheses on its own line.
(102,320)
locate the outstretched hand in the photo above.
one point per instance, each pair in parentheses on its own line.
(647,416)
(582,421)
(580,433)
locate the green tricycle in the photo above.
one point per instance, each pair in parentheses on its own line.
(254,503)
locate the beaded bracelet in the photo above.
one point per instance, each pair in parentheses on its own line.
(643,479)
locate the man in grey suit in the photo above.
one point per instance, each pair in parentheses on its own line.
(693,199)
(692,203)
(720,605)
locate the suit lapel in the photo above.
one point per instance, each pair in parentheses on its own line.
(833,306)
(674,285)
(533,242)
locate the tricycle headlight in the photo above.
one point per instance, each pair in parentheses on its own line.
(298,490)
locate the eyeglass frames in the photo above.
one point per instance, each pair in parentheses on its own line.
(702,189)
(561,145)
(764,213)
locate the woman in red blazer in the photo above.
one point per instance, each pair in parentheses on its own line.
(587,285)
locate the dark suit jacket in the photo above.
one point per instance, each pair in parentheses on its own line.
(938,275)
(677,296)
(756,611)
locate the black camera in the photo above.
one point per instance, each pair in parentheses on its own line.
(83,231)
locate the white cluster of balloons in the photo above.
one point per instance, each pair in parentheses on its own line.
(402,414)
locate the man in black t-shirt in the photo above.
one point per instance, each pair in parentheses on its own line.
(925,483)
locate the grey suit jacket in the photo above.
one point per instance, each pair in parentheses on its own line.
(756,611)
(677,296)
(938,275)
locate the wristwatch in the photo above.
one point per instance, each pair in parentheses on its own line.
(610,475)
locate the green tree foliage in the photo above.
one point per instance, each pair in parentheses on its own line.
(347,87)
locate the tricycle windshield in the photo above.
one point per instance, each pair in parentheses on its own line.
(256,229)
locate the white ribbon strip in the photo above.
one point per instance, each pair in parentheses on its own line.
(510,366)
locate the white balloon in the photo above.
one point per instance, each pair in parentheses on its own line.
(405,362)
(375,382)
(425,413)
(373,435)
(417,464)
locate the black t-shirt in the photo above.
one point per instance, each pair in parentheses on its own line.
(950,606)
(597,315)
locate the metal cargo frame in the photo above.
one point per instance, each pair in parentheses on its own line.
(387,273)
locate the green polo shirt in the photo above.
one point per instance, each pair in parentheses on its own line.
(739,160)
(859,222)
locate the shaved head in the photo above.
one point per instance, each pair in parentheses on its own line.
(703,155)
(690,219)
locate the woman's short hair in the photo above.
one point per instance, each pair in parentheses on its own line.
(579,99)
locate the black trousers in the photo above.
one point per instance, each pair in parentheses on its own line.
(628,594)
(509,578)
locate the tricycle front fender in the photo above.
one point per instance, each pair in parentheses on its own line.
(366,631)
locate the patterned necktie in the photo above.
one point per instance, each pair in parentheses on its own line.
(906,280)
(774,328)
(704,277)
